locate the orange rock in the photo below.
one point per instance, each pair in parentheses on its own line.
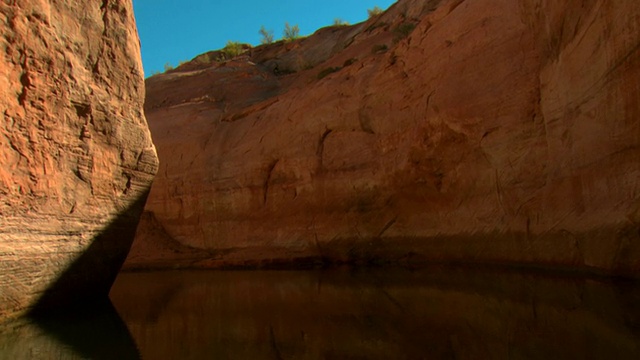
(442,131)
(76,157)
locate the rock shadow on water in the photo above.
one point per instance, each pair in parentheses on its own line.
(91,331)
(74,313)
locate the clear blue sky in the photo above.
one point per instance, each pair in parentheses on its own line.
(172,31)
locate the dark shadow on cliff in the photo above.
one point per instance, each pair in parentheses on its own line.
(76,309)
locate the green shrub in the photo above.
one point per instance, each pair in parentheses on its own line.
(339,22)
(267,35)
(375,11)
(403,30)
(327,71)
(168,67)
(291,32)
(232,49)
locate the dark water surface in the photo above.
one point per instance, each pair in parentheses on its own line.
(344,314)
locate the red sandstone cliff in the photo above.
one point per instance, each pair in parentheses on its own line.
(76,157)
(491,131)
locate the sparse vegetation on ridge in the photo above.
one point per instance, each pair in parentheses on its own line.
(266,35)
(232,49)
(290,32)
(339,22)
(375,11)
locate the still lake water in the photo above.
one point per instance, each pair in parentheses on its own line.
(439,313)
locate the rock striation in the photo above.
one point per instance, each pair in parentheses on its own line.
(76,157)
(474,131)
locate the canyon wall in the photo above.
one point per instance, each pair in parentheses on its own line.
(473,131)
(76,157)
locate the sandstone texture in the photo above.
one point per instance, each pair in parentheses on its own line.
(76,157)
(475,131)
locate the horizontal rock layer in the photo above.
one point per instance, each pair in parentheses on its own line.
(466,131)
(76,157)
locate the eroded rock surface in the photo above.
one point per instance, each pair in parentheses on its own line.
(76,157)
(465,131)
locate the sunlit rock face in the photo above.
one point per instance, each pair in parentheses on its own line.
(76,157)
(491,131)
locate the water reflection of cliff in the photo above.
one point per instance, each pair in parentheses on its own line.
(386,314)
